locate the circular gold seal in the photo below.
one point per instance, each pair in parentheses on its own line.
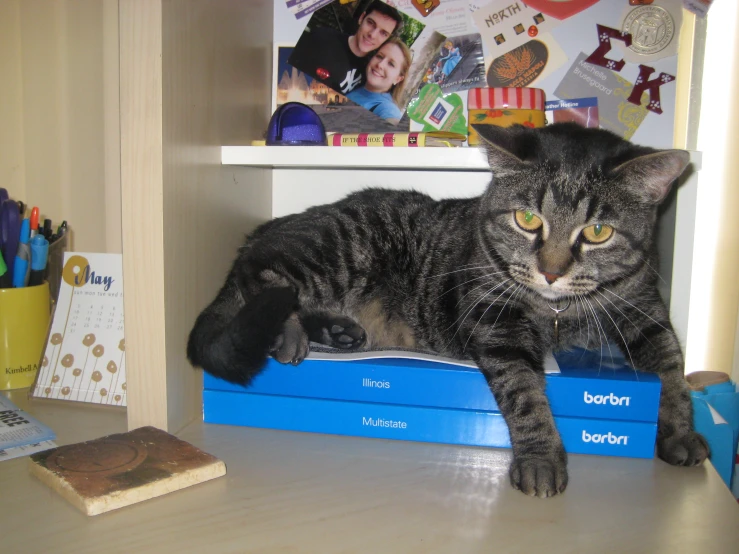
(651,29)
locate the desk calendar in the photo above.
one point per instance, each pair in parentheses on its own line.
(85,353)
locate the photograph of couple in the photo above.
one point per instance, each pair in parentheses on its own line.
(369,52)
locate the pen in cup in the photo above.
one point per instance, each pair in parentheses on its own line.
(6,280)
(39,257)
(34,221)
(21,267)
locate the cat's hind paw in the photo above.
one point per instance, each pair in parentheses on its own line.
(690,449)
(540,477)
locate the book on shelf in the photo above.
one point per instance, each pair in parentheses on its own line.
(633,439)
(399,139)
(578,383)
(18,428)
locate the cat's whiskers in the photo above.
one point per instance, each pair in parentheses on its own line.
(636,308)
(520,292)
(626,346)
(469,310)
(587,318)
(646,262)
(470,268)
(486,311)
(469,281)
(486,283)
(638,330)
(501,310)
(579,323)
(601,333)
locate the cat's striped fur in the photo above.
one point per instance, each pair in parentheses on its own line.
(465,279)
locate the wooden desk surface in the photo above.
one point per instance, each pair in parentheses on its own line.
(296,492)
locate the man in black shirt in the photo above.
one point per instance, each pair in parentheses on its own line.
(338,60)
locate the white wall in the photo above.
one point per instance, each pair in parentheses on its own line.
(59,79)
(715,301)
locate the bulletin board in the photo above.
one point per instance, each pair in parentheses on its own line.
(623,57)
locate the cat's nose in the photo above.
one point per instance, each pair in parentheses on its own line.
(551,277)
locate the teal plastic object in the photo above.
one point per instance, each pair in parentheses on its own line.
(722,432)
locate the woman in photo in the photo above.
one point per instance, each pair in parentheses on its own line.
(385,76)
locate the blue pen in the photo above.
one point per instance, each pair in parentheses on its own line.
(21,268)
(39,256)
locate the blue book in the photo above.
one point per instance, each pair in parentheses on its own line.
(585,386)
(440,425)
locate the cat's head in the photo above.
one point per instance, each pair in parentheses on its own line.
(571,208)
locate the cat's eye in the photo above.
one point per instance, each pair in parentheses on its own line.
(527,220)
(597,233)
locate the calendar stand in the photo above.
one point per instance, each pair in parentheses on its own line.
(85,354)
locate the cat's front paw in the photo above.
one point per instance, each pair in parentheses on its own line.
(345,334)
(542,477)
(690,449)
(290,346)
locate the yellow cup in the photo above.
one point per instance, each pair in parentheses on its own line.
(24,324)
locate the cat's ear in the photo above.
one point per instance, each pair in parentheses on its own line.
(501,145)
(651,176)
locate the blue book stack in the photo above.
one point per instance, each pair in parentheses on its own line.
(601,405)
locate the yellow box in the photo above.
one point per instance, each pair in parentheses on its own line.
(504,106)
(24,324)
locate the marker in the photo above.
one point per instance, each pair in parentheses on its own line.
(21,268)
(6,280)
(39,256)
(47,229)
(10,222)
(34,221)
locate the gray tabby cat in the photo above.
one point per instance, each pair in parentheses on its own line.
(558,252)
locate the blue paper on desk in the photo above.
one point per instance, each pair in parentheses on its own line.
(716,417)
(17,428)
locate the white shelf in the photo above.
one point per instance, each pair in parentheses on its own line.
(320,157)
